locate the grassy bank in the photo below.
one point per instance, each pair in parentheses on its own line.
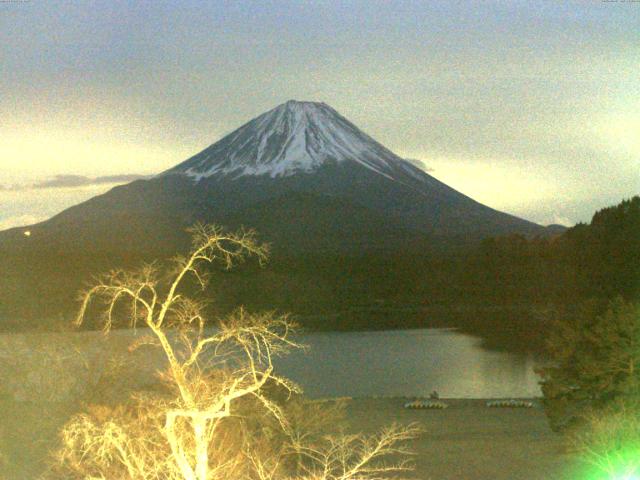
(466,441)
(469,441)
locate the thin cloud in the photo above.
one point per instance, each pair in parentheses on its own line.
(561,220)
(70,181)
(420,164)
(73,181)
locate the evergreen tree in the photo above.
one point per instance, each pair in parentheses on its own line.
(595,360)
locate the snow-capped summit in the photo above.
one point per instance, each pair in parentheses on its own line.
(295,137)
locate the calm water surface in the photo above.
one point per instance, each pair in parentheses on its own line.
(408,363)
(377,363)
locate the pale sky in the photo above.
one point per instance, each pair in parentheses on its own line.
(529,106)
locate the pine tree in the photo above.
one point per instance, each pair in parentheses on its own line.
(595,360)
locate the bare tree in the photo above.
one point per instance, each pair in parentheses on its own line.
(214,376)
(347,457)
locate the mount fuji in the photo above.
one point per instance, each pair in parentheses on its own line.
(308,151)
(306,178)
(293,138)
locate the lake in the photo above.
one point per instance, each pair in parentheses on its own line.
(408,363)
(411,362)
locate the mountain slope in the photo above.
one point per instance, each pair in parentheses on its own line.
(298,147)
(308,179)
(309,147)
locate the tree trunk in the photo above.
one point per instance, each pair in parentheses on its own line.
(202,447)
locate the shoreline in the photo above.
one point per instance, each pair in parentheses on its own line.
(466,441)
(470,441)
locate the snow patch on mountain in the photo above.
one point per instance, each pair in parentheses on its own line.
(295,137)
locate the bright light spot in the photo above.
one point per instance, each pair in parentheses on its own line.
(631,475)
(27,233)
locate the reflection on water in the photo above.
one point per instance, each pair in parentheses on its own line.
(373,363)
(408,363)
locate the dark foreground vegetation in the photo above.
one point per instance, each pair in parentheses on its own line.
(591,384)
(514,282)
(217,409)
(576,293)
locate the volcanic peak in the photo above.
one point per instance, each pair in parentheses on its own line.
(295,137)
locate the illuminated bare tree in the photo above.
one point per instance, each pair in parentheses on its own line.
(202,403)
(347,457)
(212,373)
